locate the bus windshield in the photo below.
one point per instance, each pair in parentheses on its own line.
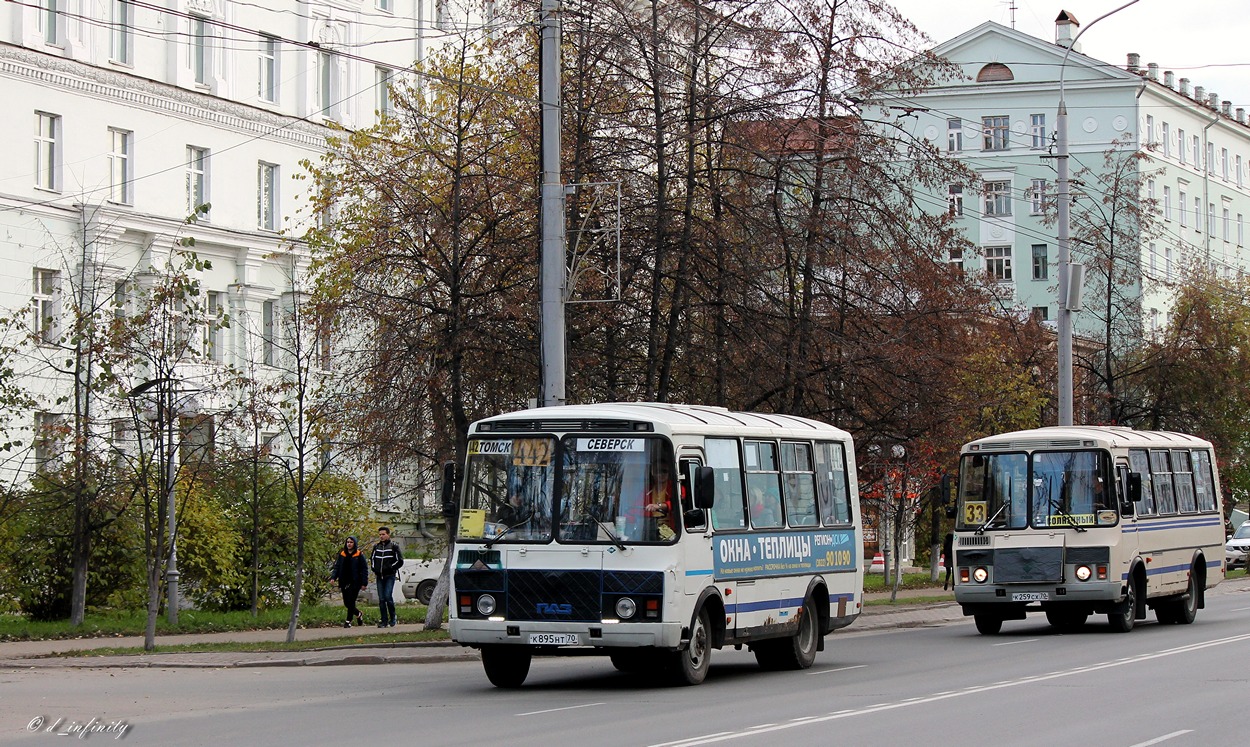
(612,489)
(1042,490)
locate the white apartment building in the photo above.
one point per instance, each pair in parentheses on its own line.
(123,116)
(999,120)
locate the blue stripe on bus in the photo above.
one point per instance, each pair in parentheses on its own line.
(1155,526)
(699,572)
(1157,571)
(776,604)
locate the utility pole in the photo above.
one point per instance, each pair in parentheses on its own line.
(1069,297)
(553,272)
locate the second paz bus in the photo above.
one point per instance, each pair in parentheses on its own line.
(1074,521)
(654,534)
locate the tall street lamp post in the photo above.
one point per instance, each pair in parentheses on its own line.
(1067,301)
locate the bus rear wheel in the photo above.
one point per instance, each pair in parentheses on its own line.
(506,666)
(690,665)
(795,652)
(1183,609)
(987,624)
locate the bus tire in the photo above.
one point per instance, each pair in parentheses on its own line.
(506,666)
(690,664)
(1180,610)
(988,624)
(797,651)
(1124,615)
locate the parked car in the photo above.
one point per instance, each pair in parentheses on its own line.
(417,580)
(1238,547)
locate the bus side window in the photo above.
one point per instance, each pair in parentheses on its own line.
(723,458)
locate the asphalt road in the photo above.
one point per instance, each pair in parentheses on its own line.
(936,684)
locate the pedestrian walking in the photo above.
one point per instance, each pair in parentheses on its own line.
(386,560)
(352,574)
(948,559)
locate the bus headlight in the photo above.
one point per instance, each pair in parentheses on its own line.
(626,608)
(1083,573)
(485,605)
(980,574)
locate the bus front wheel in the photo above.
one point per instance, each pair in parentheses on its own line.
(506,666)
(987,624)
(1124,615)
(1183,609)
(691,663)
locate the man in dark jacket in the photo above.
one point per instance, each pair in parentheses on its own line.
(386,560)
(353,575)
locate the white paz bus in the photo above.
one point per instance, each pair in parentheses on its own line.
(1074,521)
(654,534)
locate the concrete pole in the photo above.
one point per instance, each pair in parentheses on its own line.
(553,265)
(1063,216)
(171,570)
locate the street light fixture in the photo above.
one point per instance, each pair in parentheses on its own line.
(165,406)
(1067,302)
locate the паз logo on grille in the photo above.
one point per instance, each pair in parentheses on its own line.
(545,608)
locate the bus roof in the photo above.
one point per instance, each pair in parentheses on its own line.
(1077,436)
(666,417)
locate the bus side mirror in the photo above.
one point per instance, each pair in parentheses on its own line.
(1134,489)
(704,487)
(450,509)
(950,512)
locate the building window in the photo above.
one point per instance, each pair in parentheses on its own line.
(1197,152)
(1211,158)
(955,258)
(1037,128)
(1167,262)
(1154,260)
(1167,140)
(120,174)
(1237,168)
(386,6)
(1228,224)
(1167,203)
(50,21)
(47,151)
(267,196)
(1224,163)
(994,72)
(1150,189)
(382,82)
(197,180)
(998,263)
(47,305)
(1180,145)
(1041,262)
(997,132)
(121,47)
(1040,313)
(267,75)
(955,200)
(1148,137)
(1211,218)
(269,340)
(201,65)
(442,15)
(1037,196)
(212,326)
(1184,210)
(45,438)
(998,198)
(1240,230)
(954,135)
(327,90)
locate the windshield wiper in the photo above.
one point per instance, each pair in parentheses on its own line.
(999,512)
(612,535)
(500,536)
(1057,508)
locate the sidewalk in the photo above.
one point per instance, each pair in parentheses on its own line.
(40,654)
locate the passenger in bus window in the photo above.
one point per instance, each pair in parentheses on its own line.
(657,502)
(763,509)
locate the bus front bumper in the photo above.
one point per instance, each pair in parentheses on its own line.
(1092,593)
(556,635)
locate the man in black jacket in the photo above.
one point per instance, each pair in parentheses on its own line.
(386,560)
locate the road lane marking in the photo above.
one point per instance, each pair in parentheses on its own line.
(976,689)
(566,708)
(1163,738)
(838,669)
(1012,643)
